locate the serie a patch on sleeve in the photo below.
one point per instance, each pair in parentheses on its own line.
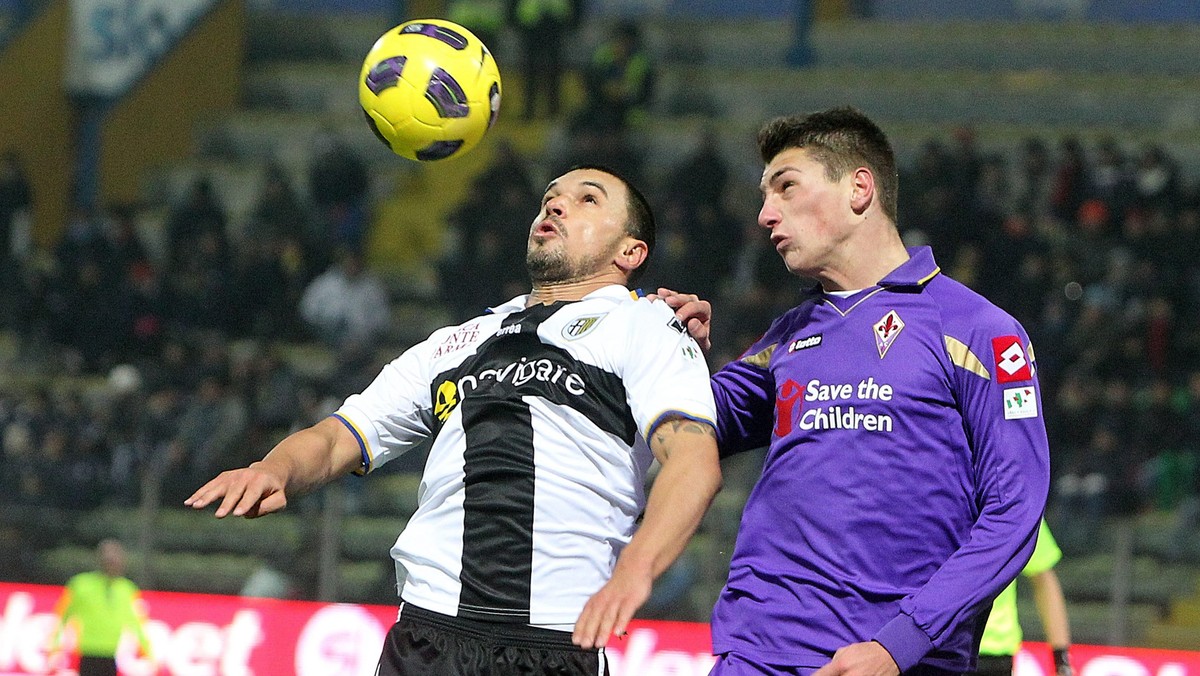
(1020,402)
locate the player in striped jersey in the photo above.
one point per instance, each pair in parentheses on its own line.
(544,415)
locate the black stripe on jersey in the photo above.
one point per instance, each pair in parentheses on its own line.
(497,560)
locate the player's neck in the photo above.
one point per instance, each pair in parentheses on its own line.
(552,292)
(869,260)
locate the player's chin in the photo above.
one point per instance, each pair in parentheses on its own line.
(795,263)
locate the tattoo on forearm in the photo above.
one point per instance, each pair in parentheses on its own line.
(684,426)
(692,427)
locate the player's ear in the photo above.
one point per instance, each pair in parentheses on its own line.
(631,254)
(862,193)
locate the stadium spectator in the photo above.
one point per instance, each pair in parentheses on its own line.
(338,185)
(21,472)
(199,215)
(1112,178)
(487,223)
(619,81)
(543,28)
(578,368)
(272,393)
(1072,180)
(1155,181)
(267,285)
(1182,542)
(484,18)
(347,306)
(16,215)
(199,286)
(929,211)
(991,198)
(211,429)
(1033,182)
(279,214)
(91,296)
(757,290)
(697,232)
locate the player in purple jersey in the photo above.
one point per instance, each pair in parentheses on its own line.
(907,464)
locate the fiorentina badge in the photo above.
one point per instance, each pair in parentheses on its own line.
(886,330)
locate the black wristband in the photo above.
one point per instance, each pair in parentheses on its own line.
(1062,658)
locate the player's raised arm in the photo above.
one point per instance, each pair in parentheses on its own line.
(682,491)
(301,462)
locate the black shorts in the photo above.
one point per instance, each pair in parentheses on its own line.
(425,643)
(97,666)
(994,665)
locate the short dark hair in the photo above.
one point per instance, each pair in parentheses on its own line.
(640,224)
(841,139)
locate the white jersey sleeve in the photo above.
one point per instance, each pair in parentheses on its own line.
(394,413)
(665,373)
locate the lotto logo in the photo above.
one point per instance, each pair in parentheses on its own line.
(1011,363)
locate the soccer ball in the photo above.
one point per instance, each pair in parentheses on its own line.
(430,89)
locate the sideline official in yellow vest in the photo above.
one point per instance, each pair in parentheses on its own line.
(1002,636)
(98,607)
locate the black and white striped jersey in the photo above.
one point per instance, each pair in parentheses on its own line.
(536,471)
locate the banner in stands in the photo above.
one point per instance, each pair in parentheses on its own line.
(112,43)
(203,635)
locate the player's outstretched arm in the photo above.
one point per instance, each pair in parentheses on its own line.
(689,478)
(298,464)
(696,314)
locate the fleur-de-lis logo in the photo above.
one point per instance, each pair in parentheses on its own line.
(886,330)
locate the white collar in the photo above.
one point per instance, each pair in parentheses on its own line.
(614,291)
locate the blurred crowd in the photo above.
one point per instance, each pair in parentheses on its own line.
(127,359)
(185,364)
(1091,247)
(194,352)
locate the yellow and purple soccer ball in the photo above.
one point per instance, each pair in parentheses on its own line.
(430,89)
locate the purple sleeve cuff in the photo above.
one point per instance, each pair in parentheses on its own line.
(904,641)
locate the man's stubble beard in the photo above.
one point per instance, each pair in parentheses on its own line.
(547,265)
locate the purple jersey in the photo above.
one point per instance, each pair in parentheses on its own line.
(905,479)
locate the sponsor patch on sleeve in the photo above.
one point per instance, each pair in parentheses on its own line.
(1020,402)
(1011,363)
(677,325)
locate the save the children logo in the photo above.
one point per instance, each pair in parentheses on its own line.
(838,406)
